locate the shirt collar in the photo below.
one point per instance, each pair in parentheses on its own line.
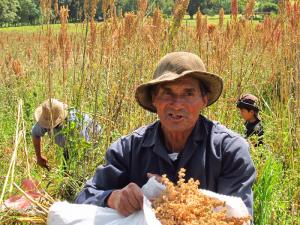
(247,123)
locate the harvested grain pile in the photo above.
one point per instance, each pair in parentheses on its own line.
(184,204)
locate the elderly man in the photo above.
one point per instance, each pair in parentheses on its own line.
(181,138)
(51,117)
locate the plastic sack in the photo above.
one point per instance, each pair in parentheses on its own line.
(64,213)
(20,203)
(234,205)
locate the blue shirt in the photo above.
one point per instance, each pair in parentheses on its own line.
(214,155)
(86,124)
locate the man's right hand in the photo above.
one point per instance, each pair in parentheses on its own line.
(43,162)
(127,200)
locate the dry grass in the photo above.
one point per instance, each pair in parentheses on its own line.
(97,66)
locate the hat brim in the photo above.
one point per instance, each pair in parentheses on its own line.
(247,106)
(213,82)
(44,123)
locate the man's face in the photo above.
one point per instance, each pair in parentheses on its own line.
(179,103)
(247,114)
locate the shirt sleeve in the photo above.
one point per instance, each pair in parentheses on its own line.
(111,176)
(38,131)
(238,172)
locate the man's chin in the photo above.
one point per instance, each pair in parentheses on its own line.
(175,126)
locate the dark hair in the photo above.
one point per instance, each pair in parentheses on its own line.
(153,90)
(203,88)
(244,105)
(248,109)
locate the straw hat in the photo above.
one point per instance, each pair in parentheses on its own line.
(174,66)
(43,113)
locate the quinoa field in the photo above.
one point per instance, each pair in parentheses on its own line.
(96,66)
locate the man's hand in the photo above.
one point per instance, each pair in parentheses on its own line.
(127,200)
(43,162)
(157,177)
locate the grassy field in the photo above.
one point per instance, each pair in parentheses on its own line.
(97,71)
(73,27)
(210,19)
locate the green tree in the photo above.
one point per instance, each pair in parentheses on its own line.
(76,9)
(8,11)
(193,7)
(28,11)
(165,5)
(268,7)
(131,5)
(128,5)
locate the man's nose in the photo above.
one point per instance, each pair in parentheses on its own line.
(177,102)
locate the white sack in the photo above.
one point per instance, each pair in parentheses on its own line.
(64,213)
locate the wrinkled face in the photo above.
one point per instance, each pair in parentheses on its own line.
(247,114)
(179,103)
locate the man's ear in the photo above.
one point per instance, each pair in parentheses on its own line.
(252,112)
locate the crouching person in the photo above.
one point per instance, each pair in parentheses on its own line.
(52,116)
(181,138)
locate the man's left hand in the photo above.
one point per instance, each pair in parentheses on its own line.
(157,177)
